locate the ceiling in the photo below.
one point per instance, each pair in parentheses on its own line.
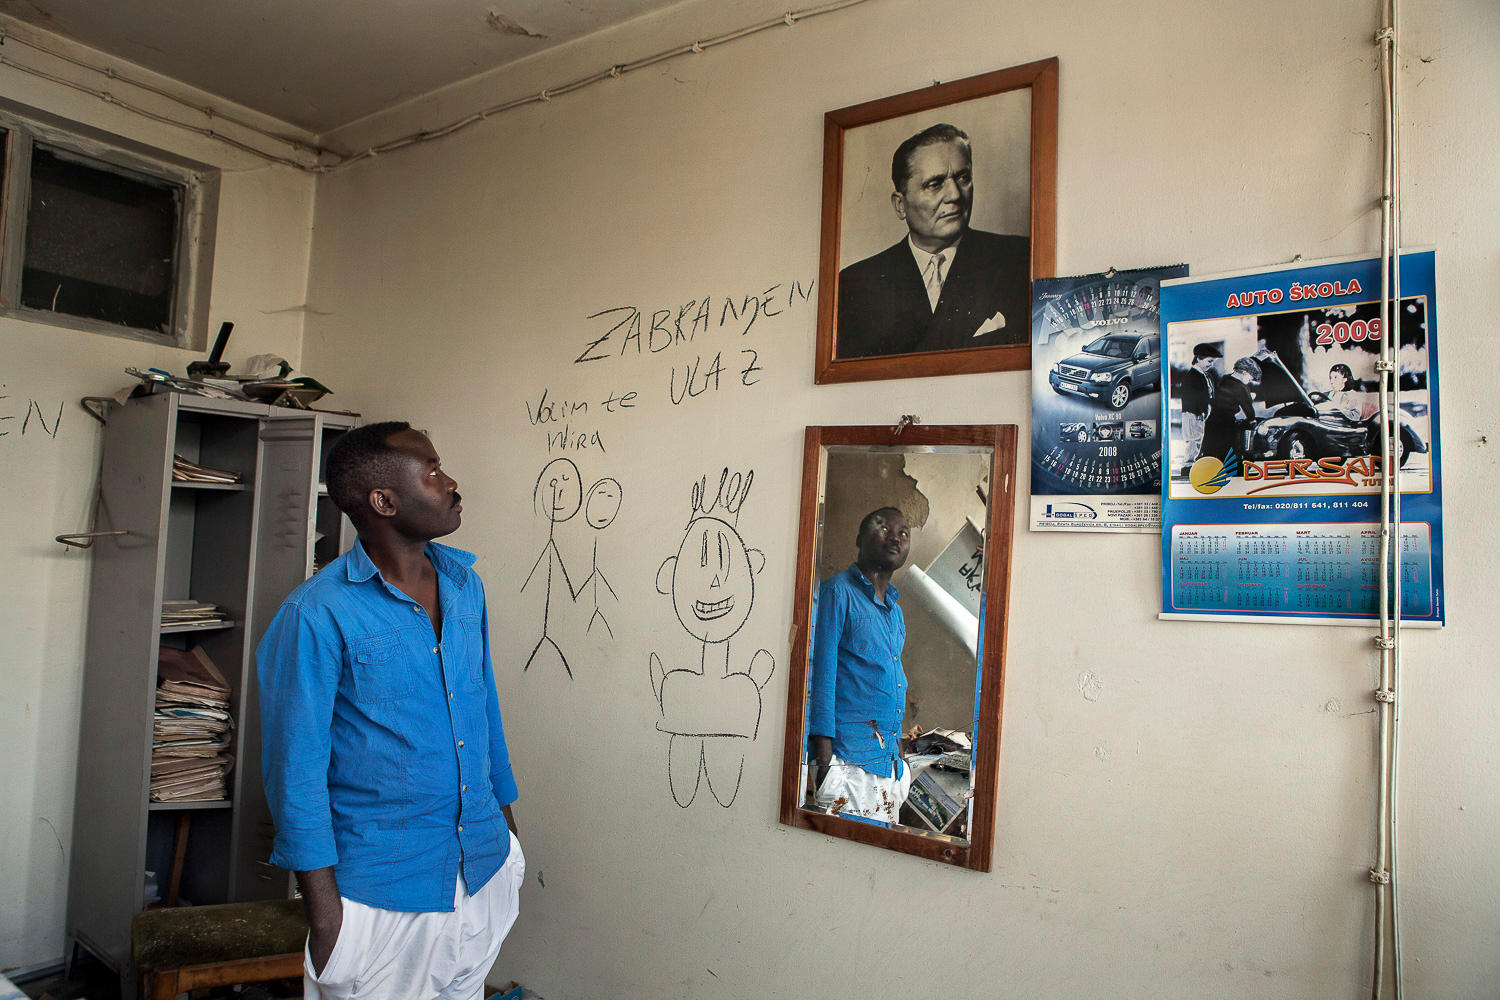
(321,64)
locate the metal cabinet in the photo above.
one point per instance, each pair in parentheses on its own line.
(242,546)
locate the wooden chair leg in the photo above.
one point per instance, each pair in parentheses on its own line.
(179,853)
(159,985)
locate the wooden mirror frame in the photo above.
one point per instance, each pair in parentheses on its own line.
(999,521)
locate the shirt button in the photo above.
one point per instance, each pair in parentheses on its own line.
(460,828)
(464,788)
(460,742)
(434,649)
(450,694)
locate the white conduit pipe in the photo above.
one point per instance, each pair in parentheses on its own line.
(1389,639)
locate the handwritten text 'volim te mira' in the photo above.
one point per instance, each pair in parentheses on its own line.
(618,332)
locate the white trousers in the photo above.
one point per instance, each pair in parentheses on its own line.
(391,955)
(850,790)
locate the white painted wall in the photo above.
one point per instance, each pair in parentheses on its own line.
(265,219)
(1186,810)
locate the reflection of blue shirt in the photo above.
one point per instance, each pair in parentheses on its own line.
(383,750)
(858,688)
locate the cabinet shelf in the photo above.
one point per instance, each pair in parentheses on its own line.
(198,627)
(211,487)
(194,804)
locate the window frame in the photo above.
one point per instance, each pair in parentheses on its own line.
(197,224)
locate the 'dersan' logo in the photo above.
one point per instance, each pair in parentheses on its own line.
(1072,512)
(1209,474)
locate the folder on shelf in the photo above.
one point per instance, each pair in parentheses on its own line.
(184,471)
(191,732)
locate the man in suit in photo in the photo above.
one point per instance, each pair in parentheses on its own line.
(944,285)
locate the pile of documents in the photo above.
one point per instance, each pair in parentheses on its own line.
(184,471)
(190,758)
(183,613)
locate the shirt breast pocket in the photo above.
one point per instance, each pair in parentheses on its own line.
(379,670)
(473,632)
(869,637)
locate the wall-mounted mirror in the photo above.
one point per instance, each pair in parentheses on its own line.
(898,653)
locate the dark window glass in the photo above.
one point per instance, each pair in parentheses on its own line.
(99,244)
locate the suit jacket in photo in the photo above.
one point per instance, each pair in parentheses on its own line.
(883,307)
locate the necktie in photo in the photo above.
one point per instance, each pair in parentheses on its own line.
(934,279)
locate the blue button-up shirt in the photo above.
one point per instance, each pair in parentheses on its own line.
(383,753)
(857,693)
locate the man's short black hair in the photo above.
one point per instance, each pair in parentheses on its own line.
(933,134)
(360,461)
(864,524)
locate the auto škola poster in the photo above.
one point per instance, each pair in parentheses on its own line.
(1271,501)
(1096,431)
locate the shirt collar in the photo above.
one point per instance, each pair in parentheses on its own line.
(452,564)
(858,576)
(922,256)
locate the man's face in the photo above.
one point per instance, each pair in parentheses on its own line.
(938,195)
(427,499)
(1204,365)
(885,543)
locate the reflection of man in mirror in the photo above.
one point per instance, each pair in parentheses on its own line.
(857,695)
(945,285)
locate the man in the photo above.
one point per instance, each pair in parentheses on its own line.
(945,285)
(1198,385)
(1231,398)
(384,757)
(858,687)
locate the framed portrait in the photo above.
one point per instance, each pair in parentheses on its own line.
(939,207)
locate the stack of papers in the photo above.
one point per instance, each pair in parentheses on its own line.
(184,471)
(191,613)
(190,739)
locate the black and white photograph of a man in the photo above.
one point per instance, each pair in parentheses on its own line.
(934,249)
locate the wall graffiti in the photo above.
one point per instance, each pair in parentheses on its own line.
(32,417)
(711,711)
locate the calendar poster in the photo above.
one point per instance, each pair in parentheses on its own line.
(1096,440)
(1273,451)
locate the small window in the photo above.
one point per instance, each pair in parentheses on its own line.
(99,243)
(104,235)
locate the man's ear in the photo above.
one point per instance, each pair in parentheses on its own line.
(757,560)
(382,502)
(899,204)
(664,575)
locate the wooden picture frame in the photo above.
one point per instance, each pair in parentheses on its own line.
(882,325)
(999,441)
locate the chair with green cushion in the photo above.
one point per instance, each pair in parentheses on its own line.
(194,947)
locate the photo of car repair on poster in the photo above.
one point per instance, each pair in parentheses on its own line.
(1273,420)
(1096,384)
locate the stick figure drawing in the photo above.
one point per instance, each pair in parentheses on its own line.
(558,495)
(599,511)
(711,711)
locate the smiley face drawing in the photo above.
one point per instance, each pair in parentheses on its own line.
(712,711)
